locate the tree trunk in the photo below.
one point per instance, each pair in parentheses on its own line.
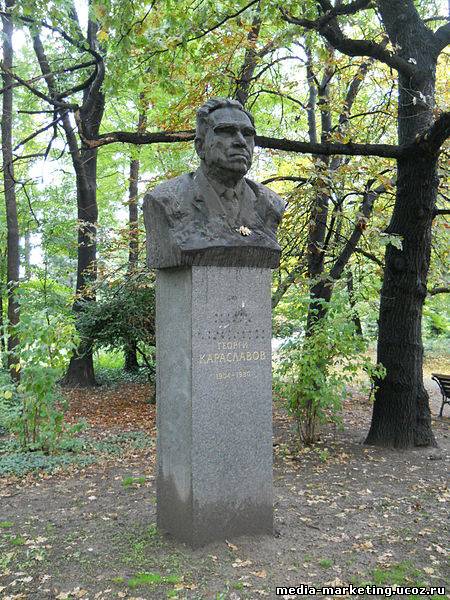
(131,360)
(401,415)
(27,254)
(13,254)
(351,299)
(2,331)
(80,372)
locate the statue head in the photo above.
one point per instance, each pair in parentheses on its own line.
(225,139)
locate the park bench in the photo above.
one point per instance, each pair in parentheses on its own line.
(443,382)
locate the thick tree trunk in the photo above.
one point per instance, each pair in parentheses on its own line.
(80,372)
(401,414)
(319,293)
(133,222)
(13,254)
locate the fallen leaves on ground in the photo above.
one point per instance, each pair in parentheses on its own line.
(125,407)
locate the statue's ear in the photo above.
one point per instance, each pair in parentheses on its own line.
(200,147)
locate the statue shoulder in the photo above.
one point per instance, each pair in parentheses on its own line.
(273,200)
(170,193)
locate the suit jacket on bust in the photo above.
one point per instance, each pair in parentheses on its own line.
(191,220)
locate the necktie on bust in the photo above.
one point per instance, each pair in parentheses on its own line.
(231,203)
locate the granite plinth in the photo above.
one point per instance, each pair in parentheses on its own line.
(214,403)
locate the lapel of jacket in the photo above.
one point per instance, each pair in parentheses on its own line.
(248,201)
(205,198)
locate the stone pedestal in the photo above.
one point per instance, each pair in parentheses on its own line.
(214,402)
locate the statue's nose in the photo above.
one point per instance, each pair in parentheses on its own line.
(239,138)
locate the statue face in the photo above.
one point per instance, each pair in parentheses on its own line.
(229,142)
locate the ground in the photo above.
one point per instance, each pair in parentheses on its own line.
(344,513)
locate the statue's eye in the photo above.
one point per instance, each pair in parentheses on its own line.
(224,129)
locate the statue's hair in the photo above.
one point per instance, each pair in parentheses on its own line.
(210,106)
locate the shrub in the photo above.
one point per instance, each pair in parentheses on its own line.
(33,409)
(313,371)
(122,317)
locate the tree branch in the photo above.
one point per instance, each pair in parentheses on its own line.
(78,44)
(366,209)
(439,290)
(370,256)
(328,28)
(442,36)
(328,149)
(52,74)
(432,140)
(36,92)
(286,283)
(250,60)
(285,178)
(37,132)
(209,30)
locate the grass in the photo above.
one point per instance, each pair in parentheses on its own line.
(402,574)
(147,578)
(326,563)
(140,544)
(152,579)
(6,524)
(17,540)
(132,481)
(113,359)
(109,370)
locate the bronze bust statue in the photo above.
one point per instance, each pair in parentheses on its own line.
(215,216)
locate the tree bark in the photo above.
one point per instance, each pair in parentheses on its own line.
(80,372)
(2,331)
(13,252)
(351,298)
(131,360)
(27,254)
(401,415)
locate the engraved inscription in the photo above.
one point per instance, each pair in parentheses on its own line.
(231,357)
(234,344)
(232,375)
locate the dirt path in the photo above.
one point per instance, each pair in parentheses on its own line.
(345,513)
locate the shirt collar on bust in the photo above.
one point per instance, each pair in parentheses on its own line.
(221,188)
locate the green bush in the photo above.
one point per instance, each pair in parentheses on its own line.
(313,371)
(122,317)
(33,409)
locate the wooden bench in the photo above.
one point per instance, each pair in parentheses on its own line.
(443,382)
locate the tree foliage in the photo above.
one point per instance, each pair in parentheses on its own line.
(351,122)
